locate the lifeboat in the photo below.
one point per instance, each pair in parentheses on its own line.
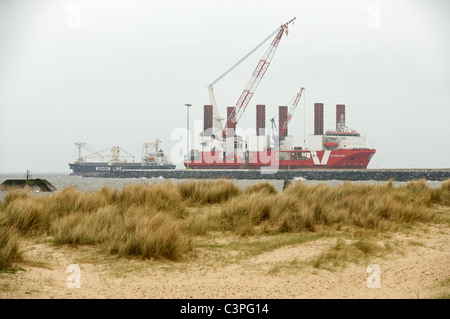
(331,144)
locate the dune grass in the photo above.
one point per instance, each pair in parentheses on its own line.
(341,253)
(261,187)
(208,191)
(305,208)
(163,220)
(10,250)
(150,221)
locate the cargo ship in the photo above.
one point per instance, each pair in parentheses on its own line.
(339,148)
(151,160)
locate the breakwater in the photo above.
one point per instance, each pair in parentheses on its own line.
(37,184)
(350,175)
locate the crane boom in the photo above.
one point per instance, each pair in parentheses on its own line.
(291,111)
(255,79)
(217,119)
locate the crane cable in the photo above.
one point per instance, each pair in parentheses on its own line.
(99,153)
(245,57)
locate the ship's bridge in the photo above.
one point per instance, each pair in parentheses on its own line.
(343,140)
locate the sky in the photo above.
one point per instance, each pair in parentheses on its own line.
(119,73)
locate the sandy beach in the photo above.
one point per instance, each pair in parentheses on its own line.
(416,268)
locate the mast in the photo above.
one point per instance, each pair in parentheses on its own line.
(80,145)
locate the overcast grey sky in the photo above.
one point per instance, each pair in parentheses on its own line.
(118,72)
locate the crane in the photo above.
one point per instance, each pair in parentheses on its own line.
(155,145)
(217,119)
(291,111)
(115,153)
(256,77)
(294,101)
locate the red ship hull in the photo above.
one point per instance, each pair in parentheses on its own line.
(335,159)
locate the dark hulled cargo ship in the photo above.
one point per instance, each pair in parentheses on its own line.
(118,162)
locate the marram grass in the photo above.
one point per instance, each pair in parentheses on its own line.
(10,250)
(162,220)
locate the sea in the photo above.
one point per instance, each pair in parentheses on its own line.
(61,180)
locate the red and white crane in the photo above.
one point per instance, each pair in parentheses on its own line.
(291,111)
(252,84)
(292,106)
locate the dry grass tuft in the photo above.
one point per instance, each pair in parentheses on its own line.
(261,187)
(26,215)
(10,251)
(242,213)
(441,195)
(149,235)
(159,196)
(208,191)
(342,253)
